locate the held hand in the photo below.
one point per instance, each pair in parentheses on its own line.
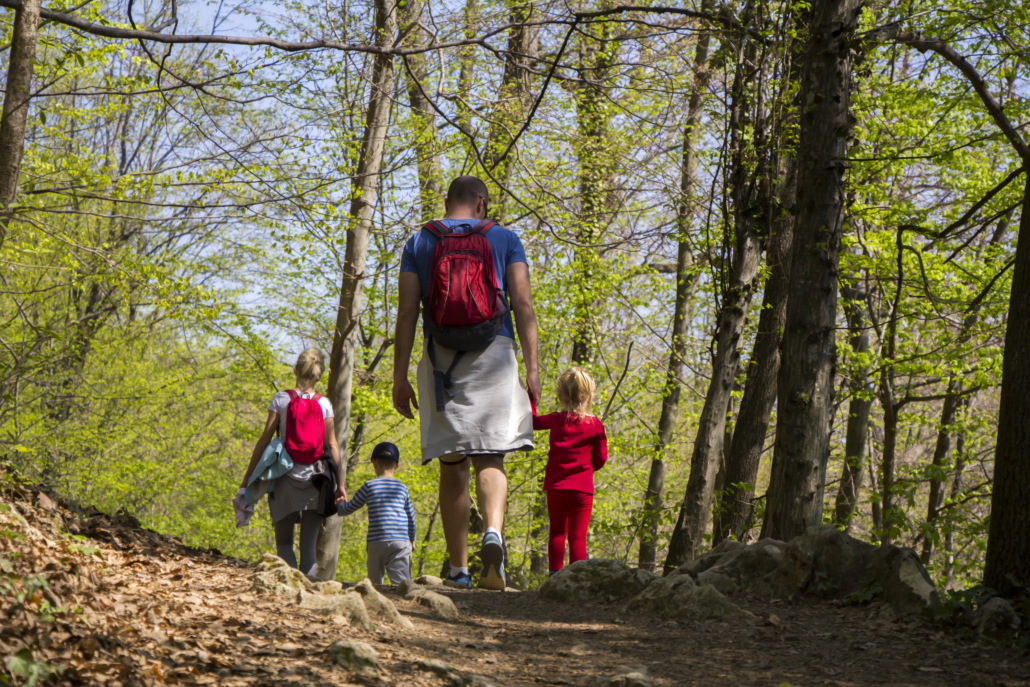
(341,495)
(403,394)
(533,387)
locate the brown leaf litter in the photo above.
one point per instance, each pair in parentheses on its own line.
(116,605)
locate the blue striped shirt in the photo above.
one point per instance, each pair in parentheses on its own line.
(391,515)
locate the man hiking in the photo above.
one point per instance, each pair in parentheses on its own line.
(469,275)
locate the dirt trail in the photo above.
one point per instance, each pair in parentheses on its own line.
(156,612)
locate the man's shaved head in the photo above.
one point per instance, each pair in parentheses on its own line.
(466,191)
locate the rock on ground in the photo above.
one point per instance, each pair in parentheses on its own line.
(379,606)
(711,558)
(438,604)
(356,657)
(429,581)
(731,568)
(273,576)
(679,597)
(828,563)
(995,618)
(596,579)
(635,676)
(907,586)
(350,605)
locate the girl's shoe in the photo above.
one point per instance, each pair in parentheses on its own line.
(492,555)
(460,581)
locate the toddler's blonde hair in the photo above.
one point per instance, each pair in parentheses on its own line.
(310,365)
(576,390)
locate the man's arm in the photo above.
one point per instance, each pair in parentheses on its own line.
(525,322)
(409,292)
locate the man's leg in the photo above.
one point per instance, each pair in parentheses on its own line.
(455,504)
(492,490)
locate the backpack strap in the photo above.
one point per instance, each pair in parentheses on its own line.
(483,226)
(436,228)
(441,380)
(292,394)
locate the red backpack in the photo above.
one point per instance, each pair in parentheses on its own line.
(305,428)
(464,309)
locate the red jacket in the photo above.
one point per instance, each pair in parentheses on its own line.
(578,448)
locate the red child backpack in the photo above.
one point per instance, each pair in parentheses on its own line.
(464,309)
(305,428)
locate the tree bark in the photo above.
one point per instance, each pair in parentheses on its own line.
(17,95)
(808,355)
(364,183)
(597,54)
(697,500)
(686,278)
(1007,565)
(948,569)
(512,101)
(859,408)
(941,452)
(427,154)
(760,388)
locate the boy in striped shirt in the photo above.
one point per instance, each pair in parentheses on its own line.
(391,517)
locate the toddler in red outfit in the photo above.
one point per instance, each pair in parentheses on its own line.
(579,447)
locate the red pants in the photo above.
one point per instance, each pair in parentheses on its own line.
(569,512)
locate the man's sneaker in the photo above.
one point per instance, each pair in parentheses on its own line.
(460,581)
(492,555)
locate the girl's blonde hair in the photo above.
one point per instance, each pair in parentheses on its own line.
(576,390)
(310,365)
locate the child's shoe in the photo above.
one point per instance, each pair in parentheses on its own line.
(460,581)
(492,555)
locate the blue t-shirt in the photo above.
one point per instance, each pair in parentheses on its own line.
(505,245)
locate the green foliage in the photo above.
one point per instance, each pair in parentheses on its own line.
(172,250)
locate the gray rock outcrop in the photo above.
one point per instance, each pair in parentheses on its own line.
(349,605)
(379,606)
(356,657)
(438,604)
(828,563)
(995,618)
(628,676)
(679,597)
(596,579)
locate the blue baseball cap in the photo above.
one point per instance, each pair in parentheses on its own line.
(386,450)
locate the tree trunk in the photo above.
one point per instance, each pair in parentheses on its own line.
(697,501)
(430,177)
(425,542)
(756,406)
(18,93)
(719,489)
(686,278)
(512,101)
(751,430)
(364,183)
(859,408)
(808,356)
(597,54)
(941,452)
(1007,566)
(948,569)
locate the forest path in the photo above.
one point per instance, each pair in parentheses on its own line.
(156,612)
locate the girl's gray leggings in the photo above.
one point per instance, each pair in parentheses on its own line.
(310,523)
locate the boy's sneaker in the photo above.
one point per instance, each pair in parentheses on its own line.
(460,581)
(492,555)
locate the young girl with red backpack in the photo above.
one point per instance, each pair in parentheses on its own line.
(579,448)
(304,422)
